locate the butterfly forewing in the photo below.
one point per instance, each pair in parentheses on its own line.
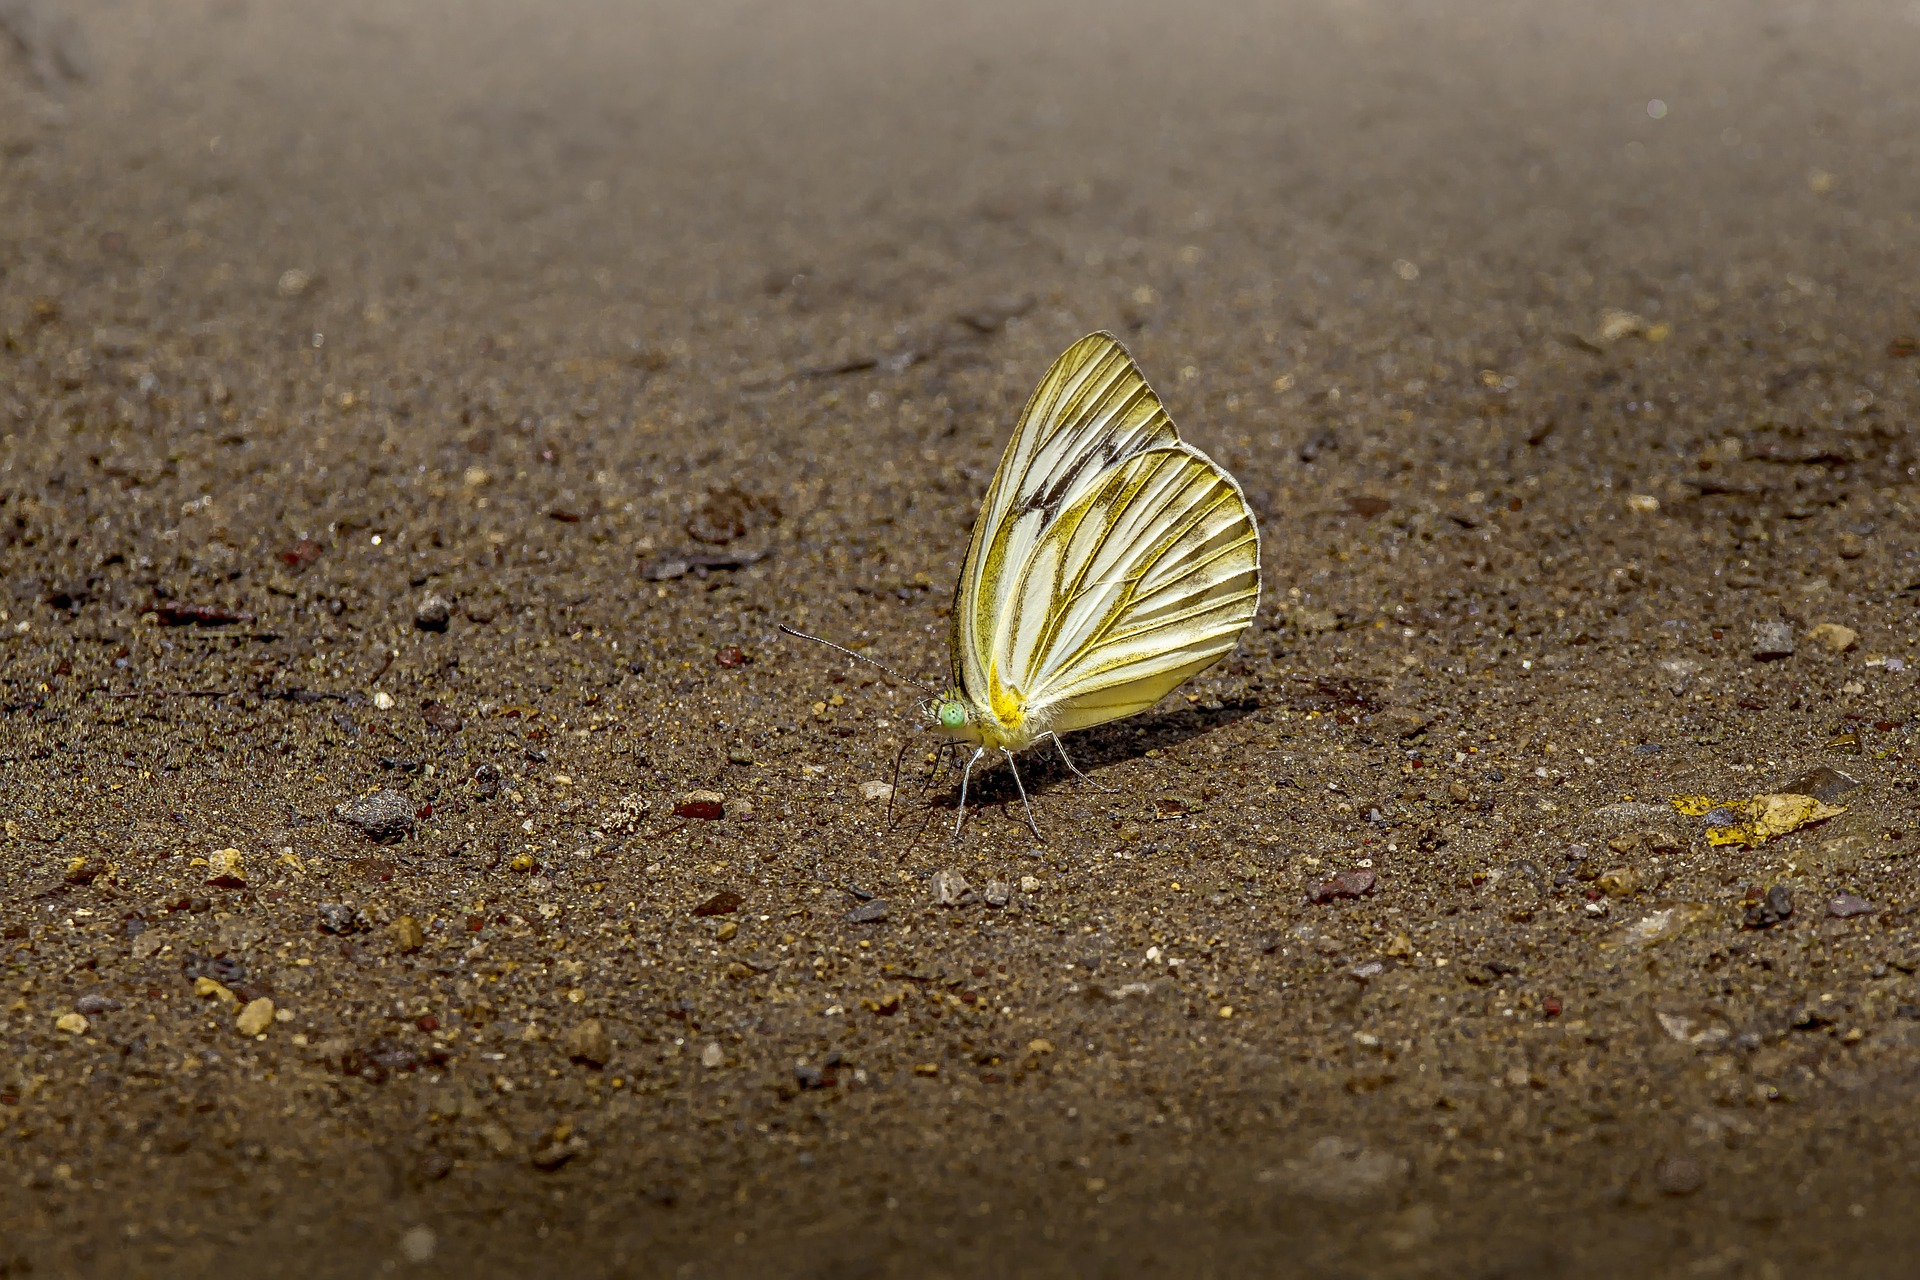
(1111,561)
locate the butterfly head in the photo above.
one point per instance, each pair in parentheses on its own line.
(951,717)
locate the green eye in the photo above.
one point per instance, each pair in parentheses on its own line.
(952,715)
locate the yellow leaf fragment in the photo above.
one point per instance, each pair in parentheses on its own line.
(206,987)
(1766,815)
(1699,806)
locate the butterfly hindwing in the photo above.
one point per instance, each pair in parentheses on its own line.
(1110,562)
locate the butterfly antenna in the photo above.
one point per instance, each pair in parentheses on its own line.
(861,657)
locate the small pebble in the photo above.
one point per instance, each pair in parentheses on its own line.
(589,1042)
(1679,1176)
(407,935)
(433,614)
(486,782)
(707,806)
(724,903)
(1822,782)
(227,869)
(96,1004)
(949,888)
(1403,722)
(556,1153)
(383,817)
(255,1018)
(1844,907)
(74,1024)
(206,988)
(382,700)
(340,918)
(1346,884)
(1619,882)
(1833,637)
(1772,640)
(418,1243)
(1771,910)
(713,1055)
(1029,884)
(998,893)
(872,912)
(877,792)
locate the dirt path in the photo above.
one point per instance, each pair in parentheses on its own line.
(447,401)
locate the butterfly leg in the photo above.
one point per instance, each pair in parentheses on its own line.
(964,775)
(1062,748)
(1023,794)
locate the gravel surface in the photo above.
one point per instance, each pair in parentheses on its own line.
(424,855)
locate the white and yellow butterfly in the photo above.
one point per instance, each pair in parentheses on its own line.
(1111,561)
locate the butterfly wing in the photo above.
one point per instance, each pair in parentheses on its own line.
(1111,560)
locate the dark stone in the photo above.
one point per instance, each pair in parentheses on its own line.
(724,903)
(1823,784)
(1771,910)
(433,614)
(341,918)
(383,817)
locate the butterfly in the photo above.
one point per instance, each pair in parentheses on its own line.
(1111,562)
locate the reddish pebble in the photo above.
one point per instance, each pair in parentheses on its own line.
(1551,1006)
(1347,884)
(301,554)
(475,924)
(730,655)
(428,1023)
(724,903)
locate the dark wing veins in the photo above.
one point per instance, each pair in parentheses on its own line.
(1048,501)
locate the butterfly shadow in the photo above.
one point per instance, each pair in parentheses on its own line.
(1041,768)
(1130,739)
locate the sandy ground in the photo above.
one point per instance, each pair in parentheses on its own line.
(447,400)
